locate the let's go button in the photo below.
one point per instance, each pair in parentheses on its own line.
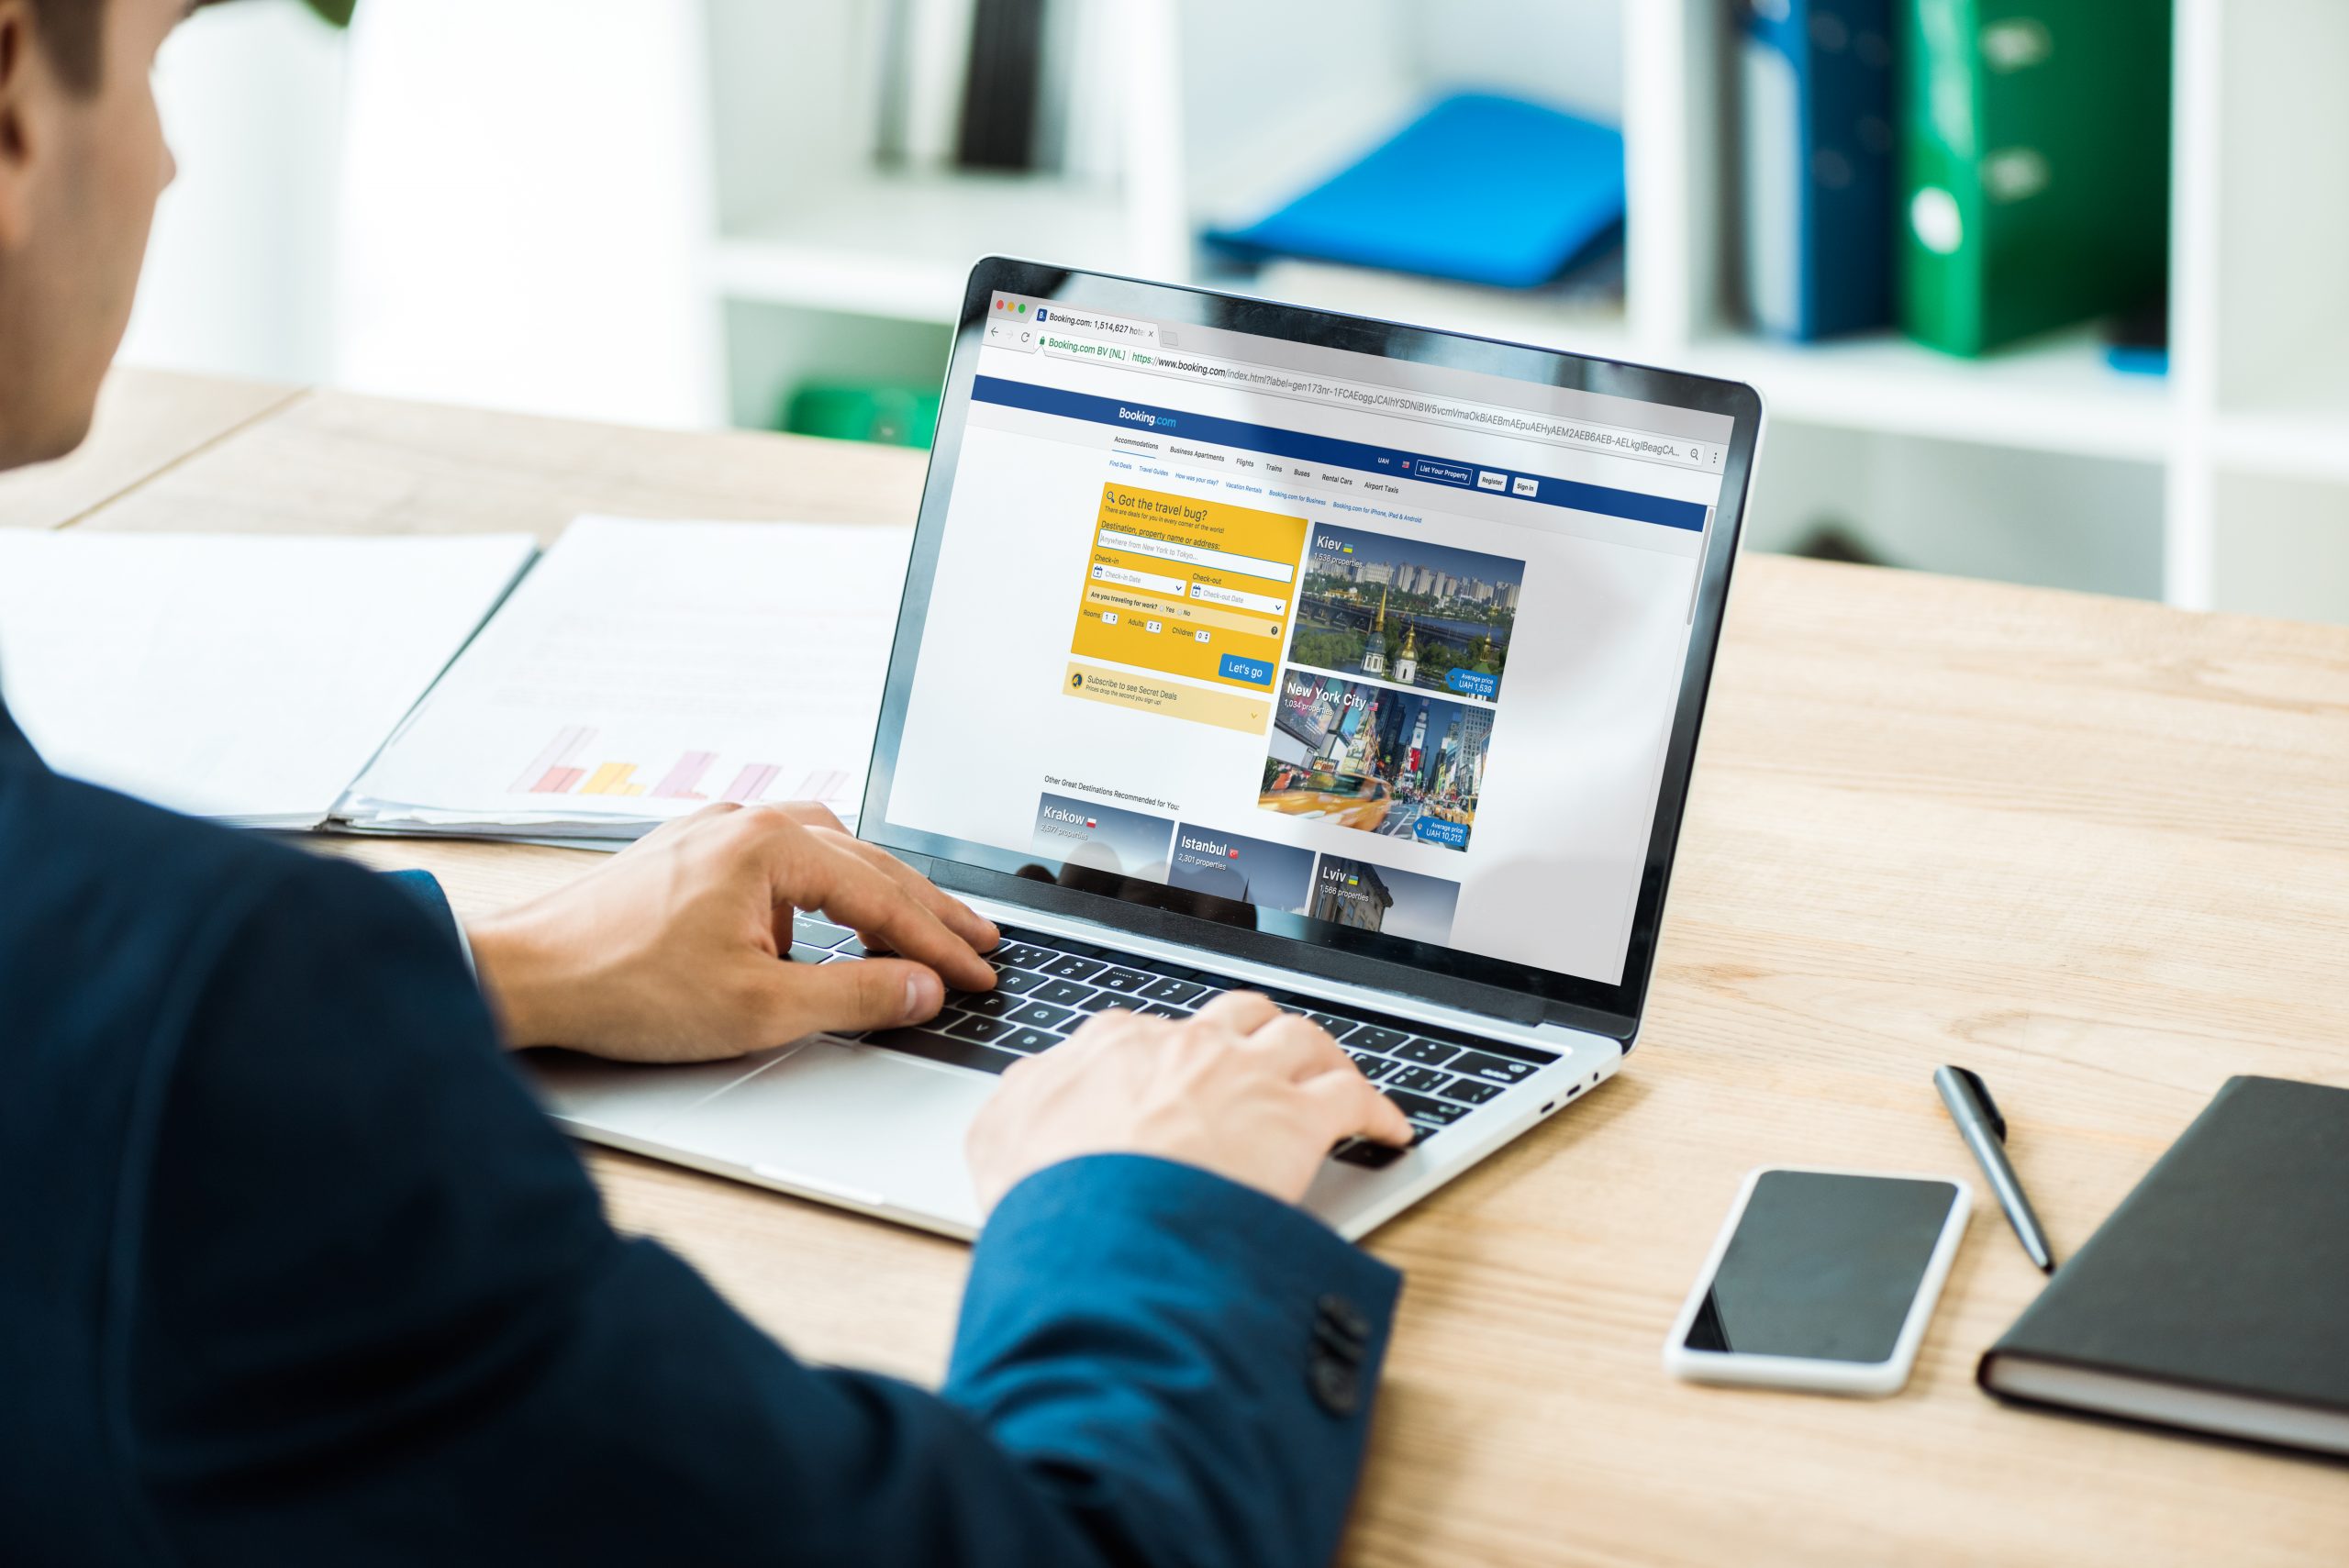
(1255,671)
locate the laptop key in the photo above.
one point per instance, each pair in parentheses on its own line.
(1427,1052)
(1418,1080)
(1419,1107)
(1071,967)
(1174,993)
(1019,955)
(817,933)
(1061,992)
(856,947)
(1161,1010)
(972,1026)
(1378,1156)
(1126,982)
(1373,1067)
(807,952)
(1030,1041)
(1330,1022)
(936,1047)
(986,1004)
(1018,981)
(1099,1002)
(1492,1069)
(1036,1014)
(1370,1037)
(1469,1091)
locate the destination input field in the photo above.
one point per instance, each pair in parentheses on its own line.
(1127,577)
(1197,555)
(1238,599)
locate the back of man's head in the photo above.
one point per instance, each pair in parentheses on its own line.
(82,162)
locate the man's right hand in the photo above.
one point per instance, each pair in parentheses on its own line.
(1243,1089)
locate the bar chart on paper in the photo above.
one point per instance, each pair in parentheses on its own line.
(566,767)
(644,671)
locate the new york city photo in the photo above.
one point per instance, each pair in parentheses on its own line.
(1401,765)
(1405,611)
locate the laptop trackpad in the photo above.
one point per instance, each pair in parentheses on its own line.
(871,1126)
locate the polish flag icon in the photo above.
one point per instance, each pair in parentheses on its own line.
(1089,822)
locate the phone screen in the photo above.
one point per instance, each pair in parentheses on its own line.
(1824,1267)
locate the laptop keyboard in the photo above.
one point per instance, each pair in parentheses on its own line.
(1046,986)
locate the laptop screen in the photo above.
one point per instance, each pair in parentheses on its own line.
(1300,638)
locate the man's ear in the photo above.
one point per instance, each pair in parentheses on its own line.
(18,138)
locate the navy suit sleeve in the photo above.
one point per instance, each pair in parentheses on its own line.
(368,1310)
(430,898)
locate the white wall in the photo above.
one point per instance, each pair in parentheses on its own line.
(240,276)
(503,204)
(527,202)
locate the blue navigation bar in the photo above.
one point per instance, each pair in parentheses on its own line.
(1300,446)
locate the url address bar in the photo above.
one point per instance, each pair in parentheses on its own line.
(1490,417)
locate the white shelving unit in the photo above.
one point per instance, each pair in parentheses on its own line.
(2223,485)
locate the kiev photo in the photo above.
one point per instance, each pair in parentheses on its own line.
(1405,611)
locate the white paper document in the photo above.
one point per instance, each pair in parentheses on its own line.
(645,668)
(245,677)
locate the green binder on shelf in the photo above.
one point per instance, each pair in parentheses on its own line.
(2035,165)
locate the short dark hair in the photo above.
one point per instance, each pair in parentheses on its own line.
(71,33)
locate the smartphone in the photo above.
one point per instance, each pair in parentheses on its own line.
(1821,1280)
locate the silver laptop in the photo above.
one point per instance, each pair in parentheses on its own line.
(1246,646)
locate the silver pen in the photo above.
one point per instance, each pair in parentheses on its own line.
(1985,1131)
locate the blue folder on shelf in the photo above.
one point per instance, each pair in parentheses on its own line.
(1817,145)
(1481,188)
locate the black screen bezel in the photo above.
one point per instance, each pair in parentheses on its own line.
(1448,976)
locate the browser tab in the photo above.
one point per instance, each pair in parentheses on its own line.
(1093,324)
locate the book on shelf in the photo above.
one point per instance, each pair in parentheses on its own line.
(2034,165)
(1479,187)
(1816,165)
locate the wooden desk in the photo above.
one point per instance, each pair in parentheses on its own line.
(147,421)
(2097,849)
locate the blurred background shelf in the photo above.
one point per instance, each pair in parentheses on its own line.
(848,245)
(2057,395)
(2299,443)
(794,223)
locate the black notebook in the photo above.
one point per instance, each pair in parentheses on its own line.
(2215,1297)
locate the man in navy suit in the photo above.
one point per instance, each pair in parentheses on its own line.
(292,1271)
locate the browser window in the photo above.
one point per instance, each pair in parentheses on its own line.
(1385,645)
